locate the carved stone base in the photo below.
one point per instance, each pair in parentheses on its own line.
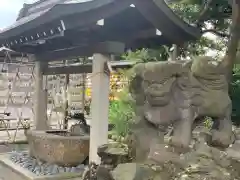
(144,134)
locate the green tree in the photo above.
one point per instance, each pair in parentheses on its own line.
(220,17)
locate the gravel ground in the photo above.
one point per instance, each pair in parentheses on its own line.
(40,168)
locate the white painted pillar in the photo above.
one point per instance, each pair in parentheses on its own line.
(40,101)
(100,105)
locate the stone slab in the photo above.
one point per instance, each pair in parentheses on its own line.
(9,170)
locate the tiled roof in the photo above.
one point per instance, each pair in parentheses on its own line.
(43,5)
(37,7)
(26,19)
(32,11)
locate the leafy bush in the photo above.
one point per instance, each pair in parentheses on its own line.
(146,55)
(121,114)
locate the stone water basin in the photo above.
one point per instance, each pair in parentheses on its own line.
(58,147)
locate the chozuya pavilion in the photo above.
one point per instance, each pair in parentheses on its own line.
(53,30)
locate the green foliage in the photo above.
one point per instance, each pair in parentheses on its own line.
(217,13)
(188,11)
(208,122)
(121,114)
(146,55)
(214,16)
(235,95)
(137,56)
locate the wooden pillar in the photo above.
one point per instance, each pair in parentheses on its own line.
(66,103)
(100,105)
(83,91)
(40,104)
(176,52)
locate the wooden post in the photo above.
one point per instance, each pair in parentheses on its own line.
(83,84)
(176,52)
(40,104)
(83,91)
(66,102)
(100,105)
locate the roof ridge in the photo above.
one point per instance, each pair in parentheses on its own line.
(37,6)
(39,2)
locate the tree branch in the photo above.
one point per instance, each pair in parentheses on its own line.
(233,43)
(235,35)
(214,31)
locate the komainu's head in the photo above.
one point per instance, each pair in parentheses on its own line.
(210,72)
(152,82)
(207,68)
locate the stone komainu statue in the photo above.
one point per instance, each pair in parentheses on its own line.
(177,93)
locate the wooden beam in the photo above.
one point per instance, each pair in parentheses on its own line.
(68,70)
(96,35)
(63,54)
(13,67)
(87,68)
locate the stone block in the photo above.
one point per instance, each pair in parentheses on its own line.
(58,147)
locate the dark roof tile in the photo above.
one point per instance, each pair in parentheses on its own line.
(42,5)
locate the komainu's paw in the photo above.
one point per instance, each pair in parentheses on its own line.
(221,139)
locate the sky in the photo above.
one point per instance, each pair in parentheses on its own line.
(9,10)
